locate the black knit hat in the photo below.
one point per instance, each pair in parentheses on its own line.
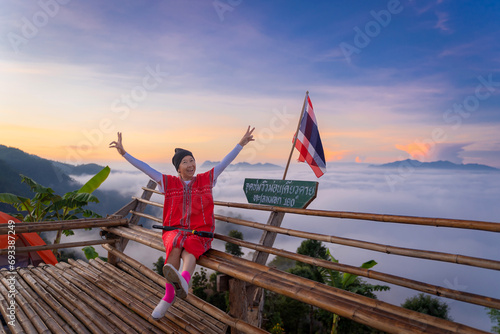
(180,153)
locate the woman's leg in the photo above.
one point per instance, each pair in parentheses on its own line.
(174,258)
(188,265)
(188,261)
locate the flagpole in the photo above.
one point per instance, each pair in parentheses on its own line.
(296,133)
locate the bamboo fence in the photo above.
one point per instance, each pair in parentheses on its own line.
(99,297)
(373,313)
(376,275)
(57,246)
(377,314)
(26,227)
(423,254)
(438,222)
(145,237)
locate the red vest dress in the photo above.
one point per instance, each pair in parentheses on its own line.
(189,206)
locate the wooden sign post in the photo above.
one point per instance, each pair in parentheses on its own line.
(292,194)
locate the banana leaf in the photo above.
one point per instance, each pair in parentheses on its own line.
(95,181)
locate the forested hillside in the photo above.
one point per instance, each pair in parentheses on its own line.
(56,175)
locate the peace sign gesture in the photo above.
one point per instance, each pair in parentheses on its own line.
(248,137)
(118,144)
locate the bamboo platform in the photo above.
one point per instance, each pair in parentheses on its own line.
(96,297)
(118,296)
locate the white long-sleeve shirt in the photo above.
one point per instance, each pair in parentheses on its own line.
(158,177)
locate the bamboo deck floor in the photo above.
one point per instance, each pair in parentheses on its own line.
(94,297)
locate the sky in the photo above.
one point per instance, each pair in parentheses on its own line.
(388,80)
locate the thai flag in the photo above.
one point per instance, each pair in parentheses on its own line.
(308,141)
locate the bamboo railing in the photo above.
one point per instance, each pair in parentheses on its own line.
(371,312)
(423,254)
(438,222)
(57,246)
(459,259)
(118,296)
(26,227)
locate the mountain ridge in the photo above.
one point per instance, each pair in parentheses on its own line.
(441,164)
(241,165)
(15,162)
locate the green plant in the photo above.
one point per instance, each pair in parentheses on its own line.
(232,248)
(349,282)
(428,305)
(278,329)
(495,318)
(158,265)
(46,205)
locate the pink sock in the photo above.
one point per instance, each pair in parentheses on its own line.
(186,275)
(169,293)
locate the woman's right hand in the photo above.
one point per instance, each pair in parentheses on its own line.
(118,144)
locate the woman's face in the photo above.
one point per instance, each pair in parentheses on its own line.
(187,168)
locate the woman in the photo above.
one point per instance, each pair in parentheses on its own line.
(188,205)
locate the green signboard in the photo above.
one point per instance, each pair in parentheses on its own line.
(284,193)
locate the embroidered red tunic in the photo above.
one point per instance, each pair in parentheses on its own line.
(189,206)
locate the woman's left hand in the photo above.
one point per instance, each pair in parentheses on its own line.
(248,137)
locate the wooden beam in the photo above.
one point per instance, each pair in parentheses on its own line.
(195,301)
(56,246)
(438,222)
(139,208)
(369,273)
(374,313)
(26,227)
(146,195)
(423,254)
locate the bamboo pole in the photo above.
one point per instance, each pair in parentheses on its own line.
(141,291)
(293,290)
(56,246)
(20,323)
(91,319)
(45,311)
(397,280)
(423,254)
(49,298)
(127,316)
(428,221)
(84,298)
(130,274)
(361,309)
(438,222)
(200,304)
(180,308)
(144,215)
(134,236)
(137,237)
(152,233)
(153,203)
(405,313)
(26,227)
(20,299)
(139,302)
(114,289)
(154,191)
(131,288)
